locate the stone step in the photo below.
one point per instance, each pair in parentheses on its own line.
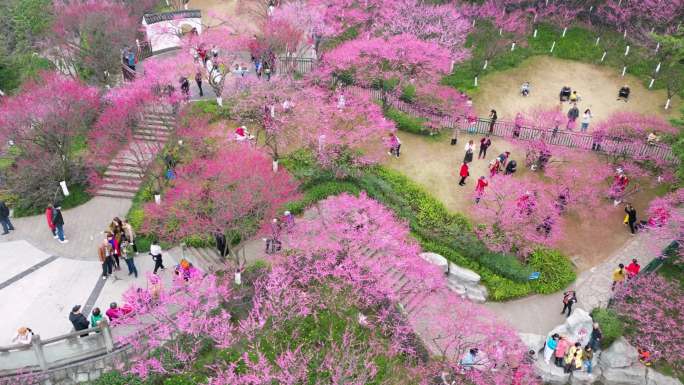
(149,138)
(122,174)
(115,194)
(114,186)
(153,131)
(414,301)
(123,165)
(162,125)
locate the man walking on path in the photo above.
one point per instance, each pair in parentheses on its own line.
(573,114)
(631,217)
(58,221)
(104,253)
(492,121)
(618,276)
(484,145)
(569,298)
(464,173)
(4,218)
(156,253)
(78,319)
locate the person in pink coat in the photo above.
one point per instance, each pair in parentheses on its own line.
(561,349)
(48,216)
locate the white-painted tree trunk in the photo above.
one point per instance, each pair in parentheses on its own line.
(484,67)
(275,166)
(626,50)
(667,104)
(238,278)
(475,81)
(651,83)
(535,33)
(565,30)
(598,39)
(157,199)
(624,70)
(603,57)
(553,46)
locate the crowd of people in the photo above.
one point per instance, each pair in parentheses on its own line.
(571,355)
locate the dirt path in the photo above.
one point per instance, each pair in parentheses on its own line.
(597,85)
(434,164)
(213,10)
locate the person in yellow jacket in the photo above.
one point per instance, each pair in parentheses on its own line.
(618,276)
(573,360)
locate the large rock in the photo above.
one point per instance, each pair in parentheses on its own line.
(632,375)
(533,341)
(619,355)
(581,377)
(551,374)
(463,275)
(436,259)
(655,378)
(579,326)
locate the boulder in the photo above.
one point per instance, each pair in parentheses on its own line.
(579,326)
(619,355)
(532,341)
(551,374)
(462,274)
(631,375)
(436,259)
(457,288)
(581,377)
(476,297)
(655,378)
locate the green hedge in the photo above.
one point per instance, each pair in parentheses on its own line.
(406,122)
(116,378)
(612,327)
(320,192)
(556,271)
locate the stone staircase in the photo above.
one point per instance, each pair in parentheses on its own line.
(206,259)
(126,171)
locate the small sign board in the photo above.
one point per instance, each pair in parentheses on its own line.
(534,276)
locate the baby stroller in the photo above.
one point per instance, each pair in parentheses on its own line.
(525,89)
(565,94)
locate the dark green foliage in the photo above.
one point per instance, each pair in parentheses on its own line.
(612,327)
(212,109)
(320,192)
(349,34)
(556,271)
(78,195)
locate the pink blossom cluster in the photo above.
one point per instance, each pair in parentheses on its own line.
(349,254)
(653,307)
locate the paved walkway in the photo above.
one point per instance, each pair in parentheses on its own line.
(83,227)
(540,313)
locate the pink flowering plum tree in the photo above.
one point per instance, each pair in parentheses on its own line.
(308,18)
(88,36)
(519,215)
(44,125)
(666,218)
(639,18)
(235,193)
(364,61)
(343,136)
(441,24)
(653,307)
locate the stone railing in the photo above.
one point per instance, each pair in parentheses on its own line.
(43,355)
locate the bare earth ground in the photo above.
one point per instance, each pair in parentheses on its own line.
(213,9)
(434,164)
(598,87)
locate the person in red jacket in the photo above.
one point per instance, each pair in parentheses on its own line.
(479,189)
(633,269)
(48,215)
(464,173)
